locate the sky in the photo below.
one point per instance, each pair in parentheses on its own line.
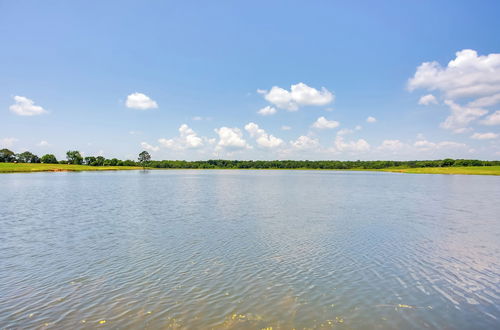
(197,80)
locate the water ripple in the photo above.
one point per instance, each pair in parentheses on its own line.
(249,250)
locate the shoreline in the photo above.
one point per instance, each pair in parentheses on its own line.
(35,168)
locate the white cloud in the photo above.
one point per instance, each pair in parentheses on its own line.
(450,144)
(427,145)
(43,143)
(299,95)
(188,139)
(427,99)
(140,101)
(262,138)
(199,118)
(267,111)
(286,128)
(493,119)
(391,145)
(8,142)
(345,131)
(230,139)
(486,101)
(371,119)
(26,107)
(305,143)
(352,146)
(149,147)
(461,116)
(323,123)
(424,144)
(467,76)
(484,136)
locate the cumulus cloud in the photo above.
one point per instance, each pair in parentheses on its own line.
(323,123)
(140,101)
(461,116)
(484,136)
(230,139)
(26,107)
(8,142)
(261,137)
(427,99)
(43,143)
(299,95)
(286,128)
(267,111)
(352,146)
(305,143)
(391,145)
(199,118)
(346,131)
(493,119)
(486,101)
(371,119)
(187,139)
(149,147)
(468,76)
(427,145)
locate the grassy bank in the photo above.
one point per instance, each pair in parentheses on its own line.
(26,167)
(470,170)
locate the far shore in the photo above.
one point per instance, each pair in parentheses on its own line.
(29,168)
(37,167)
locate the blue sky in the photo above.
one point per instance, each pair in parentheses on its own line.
(185,80)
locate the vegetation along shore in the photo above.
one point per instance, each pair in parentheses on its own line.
(28,162)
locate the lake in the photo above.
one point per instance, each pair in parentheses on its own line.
(199,249)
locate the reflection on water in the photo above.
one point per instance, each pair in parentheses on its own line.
(249,249)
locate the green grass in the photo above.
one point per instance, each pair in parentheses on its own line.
(26,167)
(470,170)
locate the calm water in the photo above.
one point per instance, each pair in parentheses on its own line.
(249,250)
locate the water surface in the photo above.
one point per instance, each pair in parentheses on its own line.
(249,249)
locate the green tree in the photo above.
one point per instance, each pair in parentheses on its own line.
(90,160)
(144,158)
(49,159)
(447,162)
(74,157)
(27,157)
(99,160)
(7,156)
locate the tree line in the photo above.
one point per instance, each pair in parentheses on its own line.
(75,157)
(72,157)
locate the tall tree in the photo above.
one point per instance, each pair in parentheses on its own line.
(28,157)
(49,159)
(74,157)
(144,157)
(90,160)
(7,156)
